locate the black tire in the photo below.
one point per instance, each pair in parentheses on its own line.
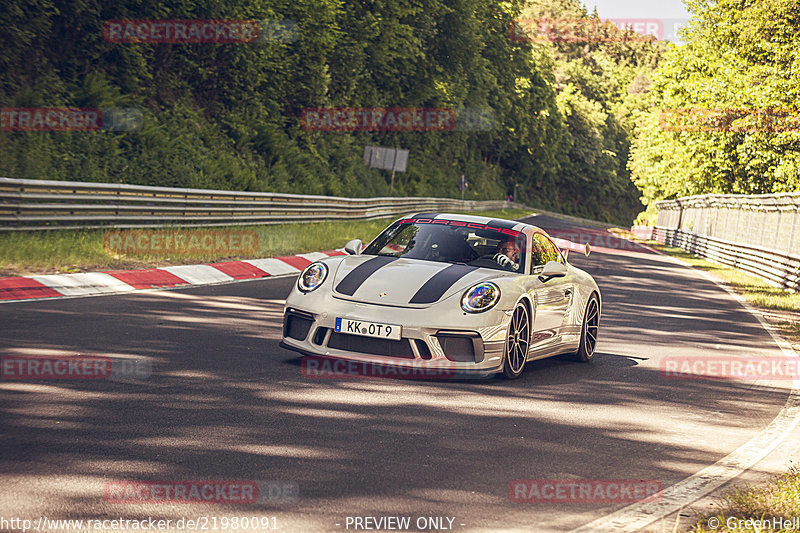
(589,330)
(517,343)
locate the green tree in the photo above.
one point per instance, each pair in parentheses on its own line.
(738,56)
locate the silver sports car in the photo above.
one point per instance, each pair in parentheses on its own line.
(475,294)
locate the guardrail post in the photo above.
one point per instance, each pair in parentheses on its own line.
(795,215)
(779,214)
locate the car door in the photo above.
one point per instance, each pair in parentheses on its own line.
(552,297)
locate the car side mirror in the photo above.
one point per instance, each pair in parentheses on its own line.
(552,269)
(353,247)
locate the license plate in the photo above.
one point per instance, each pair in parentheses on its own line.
(368,329)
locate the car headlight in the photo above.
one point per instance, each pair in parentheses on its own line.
(480,297)
(312,277)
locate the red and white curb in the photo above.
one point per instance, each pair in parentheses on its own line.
(118,281)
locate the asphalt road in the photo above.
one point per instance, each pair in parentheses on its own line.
(224,402)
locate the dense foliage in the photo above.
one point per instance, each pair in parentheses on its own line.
(741,60)
(227,116)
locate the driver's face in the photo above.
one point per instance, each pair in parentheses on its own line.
(510,250)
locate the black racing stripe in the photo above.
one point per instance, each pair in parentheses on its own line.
(353,280)
(505,224)
(434,288)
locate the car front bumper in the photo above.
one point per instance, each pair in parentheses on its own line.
(436,338)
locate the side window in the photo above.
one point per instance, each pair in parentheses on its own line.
(555,254)
(542,251)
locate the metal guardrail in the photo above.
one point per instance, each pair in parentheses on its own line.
(759,234)
(43,205)
(768,221)
(782,270)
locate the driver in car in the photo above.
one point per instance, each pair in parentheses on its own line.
(507,254)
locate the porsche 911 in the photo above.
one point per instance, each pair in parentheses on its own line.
(475,294)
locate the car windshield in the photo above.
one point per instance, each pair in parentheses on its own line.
(452,241)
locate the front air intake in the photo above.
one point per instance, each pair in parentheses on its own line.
(461,346)
(296,324)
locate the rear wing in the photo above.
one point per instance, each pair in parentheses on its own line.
(566,246)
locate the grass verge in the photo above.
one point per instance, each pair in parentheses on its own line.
(65,251)
(771,508)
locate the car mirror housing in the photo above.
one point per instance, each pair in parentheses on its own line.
(353,247)
(553,269)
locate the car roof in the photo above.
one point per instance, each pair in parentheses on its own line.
(497,222)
